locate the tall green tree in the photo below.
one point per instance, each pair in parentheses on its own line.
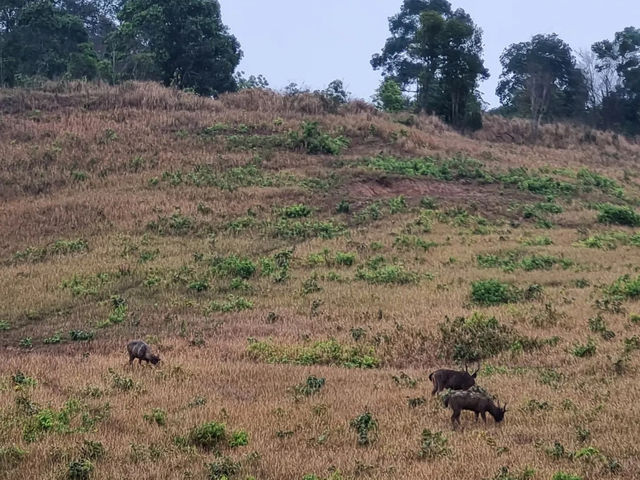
(540,79)
(179,42)
(37,39)
(620,104)
(436,53)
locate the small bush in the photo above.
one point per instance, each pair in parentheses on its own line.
(80,469)
(345,259)
(313,140)
(239,438)
(540,241)
(208,435)
(397,204)
(54,339)
(433,444)
(474,338)
(618,215)
(598,325)
(311,386)
(494,292)
(223,469)
(157,416)
(81,335)
(233,266)
(584,350)
(26,342)
(624,287)
(365,425)
(295,211)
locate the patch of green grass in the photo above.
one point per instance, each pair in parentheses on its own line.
(404,241)
(57,248)
(326,352)
(539,241)
(177,224)
(239,438)
(380,273)
(231,304)
(300,230)
(590,179)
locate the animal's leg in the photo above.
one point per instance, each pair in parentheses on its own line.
(131,359)
(139,361)
(455,417)
(477,413)
(484,416)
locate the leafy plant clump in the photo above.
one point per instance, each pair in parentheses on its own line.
(313,140)
(59,247)
(618,215)
(378,272)
(366,426)
(231,304)
(624,287)
(494,292)
(311,386)
(207,435)
(474,338)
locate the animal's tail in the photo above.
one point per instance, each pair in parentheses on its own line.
(431,376)
(446,400)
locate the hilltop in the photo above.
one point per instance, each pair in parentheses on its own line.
(257,241)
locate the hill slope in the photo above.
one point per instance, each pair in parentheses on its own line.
(258,240)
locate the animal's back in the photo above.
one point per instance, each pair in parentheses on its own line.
(137,348)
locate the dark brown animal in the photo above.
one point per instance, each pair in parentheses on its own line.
(140,350)
(476,402)
(453,379)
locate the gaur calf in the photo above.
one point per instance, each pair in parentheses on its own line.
(140,350)
(475,402)
(453,379)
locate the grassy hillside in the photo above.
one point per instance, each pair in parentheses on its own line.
(262,244)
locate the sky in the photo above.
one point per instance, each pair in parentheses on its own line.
(312,42)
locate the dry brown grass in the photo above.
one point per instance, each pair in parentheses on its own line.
(99,131)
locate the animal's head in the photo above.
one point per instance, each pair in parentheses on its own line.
(500,414)
(474,374)
(154,359)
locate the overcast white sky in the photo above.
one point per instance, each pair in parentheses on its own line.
(312,42)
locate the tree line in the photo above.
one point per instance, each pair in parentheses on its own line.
(432,62)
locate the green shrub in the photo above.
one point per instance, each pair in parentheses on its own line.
(4,325)
(157,416)
(26,342)
(239,438)
(313,140)
(295,211)
(397,204)
(208,435)
(310,386)
(54,339)
(365,425)
(474,338)
(223,468)
(624,287)
(80,469)
(81,335)
(584,350)
(176,224)
(618,215)
(343,207)
(233,266)
(404,241)
(494,292)
(345,259)
(199,285)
